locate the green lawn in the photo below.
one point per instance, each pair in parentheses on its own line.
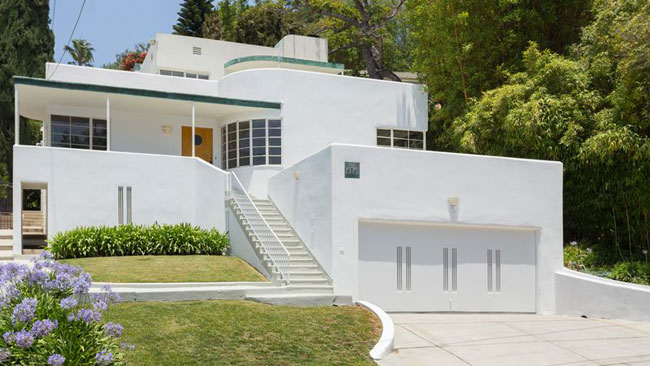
(189,268)
(230,332)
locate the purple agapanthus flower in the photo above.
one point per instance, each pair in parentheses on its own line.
(68,303)
(86,315)
(42,328)
(80,283)
(24,312)
(24,339)
(104,358)
(4,355)
(56,360)
(100,306)
(9,337)
(113,329)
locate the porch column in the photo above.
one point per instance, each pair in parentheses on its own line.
(16,117)
(108,122)
(193,130)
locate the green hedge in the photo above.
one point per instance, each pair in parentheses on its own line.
(103,241)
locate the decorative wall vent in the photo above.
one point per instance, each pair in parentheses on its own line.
(196,50)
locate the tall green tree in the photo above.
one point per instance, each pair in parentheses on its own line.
(266,23)
(465,47)
(362,25)
(191,17)
(26,44)
(81,52)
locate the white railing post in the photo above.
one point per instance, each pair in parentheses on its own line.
(16,116)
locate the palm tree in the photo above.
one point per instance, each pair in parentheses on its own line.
(81,52)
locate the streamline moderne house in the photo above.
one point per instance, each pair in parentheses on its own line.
(322,180)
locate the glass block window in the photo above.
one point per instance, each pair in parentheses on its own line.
(181,74)
(254,142)
(401,138)
(78,132)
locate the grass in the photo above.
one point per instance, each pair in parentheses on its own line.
(189,268)
(230,332)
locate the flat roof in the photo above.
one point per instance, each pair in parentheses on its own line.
(22,80)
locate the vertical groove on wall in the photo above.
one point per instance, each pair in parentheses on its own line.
(408,268)
(498,271)
(120,205)
(445,269)
(399,268)
(129,217)
(454,270)
(489,270)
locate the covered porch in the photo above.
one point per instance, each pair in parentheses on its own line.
(109,118)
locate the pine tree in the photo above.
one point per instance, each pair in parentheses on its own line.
(191,17)
(26,44)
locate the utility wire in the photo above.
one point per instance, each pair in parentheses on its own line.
(53,14)
(69,39)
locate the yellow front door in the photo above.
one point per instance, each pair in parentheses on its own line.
(202,140)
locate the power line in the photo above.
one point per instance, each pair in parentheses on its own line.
(53,14)
(69,39)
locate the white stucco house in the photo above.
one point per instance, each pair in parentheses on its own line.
(322,180)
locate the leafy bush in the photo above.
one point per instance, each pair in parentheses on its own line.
(43,322)
(635,272)
(103,241)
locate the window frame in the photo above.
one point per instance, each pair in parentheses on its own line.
(251,156)
(406,139)
(91,133)
(198,75)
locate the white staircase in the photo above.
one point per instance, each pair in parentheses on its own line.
(298,277)
(6,245)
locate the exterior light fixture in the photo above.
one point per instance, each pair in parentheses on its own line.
(452,206)
(166,129)
(437,106)
(297,174)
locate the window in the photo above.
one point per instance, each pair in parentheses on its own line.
(181,74)
(254,142)
(400,138)
(78,132)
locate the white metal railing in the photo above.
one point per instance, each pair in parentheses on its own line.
(271,244)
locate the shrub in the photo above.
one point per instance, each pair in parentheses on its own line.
(103,241)
(43,322)
(635,272)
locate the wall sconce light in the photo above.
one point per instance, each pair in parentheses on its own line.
(452,206)
(297,174)
(166,129)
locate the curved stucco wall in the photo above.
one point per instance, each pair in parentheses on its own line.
(581,294)
(321,109)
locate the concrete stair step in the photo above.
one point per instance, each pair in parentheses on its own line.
(311,277)
(308,281)
(6,248)
(303,268)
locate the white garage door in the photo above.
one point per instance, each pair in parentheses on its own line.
(412,267)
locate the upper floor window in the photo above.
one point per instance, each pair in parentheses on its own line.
(78,132)
(254,142)
(191,75)
(401,138)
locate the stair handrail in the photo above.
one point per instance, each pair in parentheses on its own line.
(280,260)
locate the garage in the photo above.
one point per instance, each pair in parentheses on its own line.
(460,268)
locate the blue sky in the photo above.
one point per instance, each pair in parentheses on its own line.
(111,26)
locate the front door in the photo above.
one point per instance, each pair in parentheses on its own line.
(202,140)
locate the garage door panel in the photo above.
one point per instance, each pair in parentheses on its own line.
(494,269)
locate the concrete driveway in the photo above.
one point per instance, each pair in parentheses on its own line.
(516,339)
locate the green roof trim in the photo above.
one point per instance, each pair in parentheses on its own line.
(21,80)
(288,60)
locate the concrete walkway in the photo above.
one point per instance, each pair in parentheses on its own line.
(516,339)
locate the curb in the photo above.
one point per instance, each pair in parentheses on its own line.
(385,344)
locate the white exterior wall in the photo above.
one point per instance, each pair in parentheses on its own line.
(174,52)
(581,294)
(321,109)
(413,186)
(82,188)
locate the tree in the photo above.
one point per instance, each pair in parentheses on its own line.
(26,44)
(191,17)
(81,52)
(466,47)
(363,24)
(266,23)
